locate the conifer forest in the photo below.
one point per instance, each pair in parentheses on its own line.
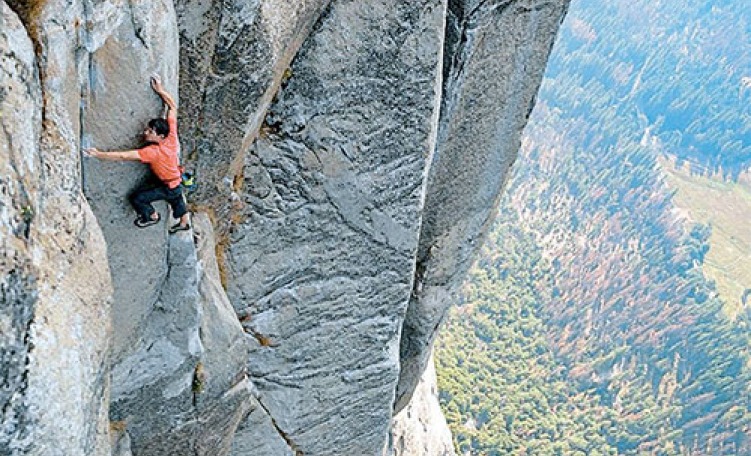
(588,325)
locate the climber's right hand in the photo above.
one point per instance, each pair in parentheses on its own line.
(92,152)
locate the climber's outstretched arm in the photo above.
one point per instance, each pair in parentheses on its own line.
(156,84)
(115,155)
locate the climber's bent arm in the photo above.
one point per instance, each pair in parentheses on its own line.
(156,84)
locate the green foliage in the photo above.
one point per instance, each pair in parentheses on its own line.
(679,69)
(587,326)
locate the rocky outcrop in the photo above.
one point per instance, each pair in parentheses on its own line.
(420,429)
(323,262)
(350,153)
(233,56)
(182,388)
(54,279)
(495,55)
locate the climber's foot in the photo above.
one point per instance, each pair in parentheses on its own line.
(141,222)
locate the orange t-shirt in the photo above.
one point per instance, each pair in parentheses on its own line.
(163,158)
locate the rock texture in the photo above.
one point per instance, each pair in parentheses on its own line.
(178,348)
(182,388)
(54,279)
(124,44)
(351,154)
(420,429)
(324,262)
(233,58)
(495,56)
(258,434)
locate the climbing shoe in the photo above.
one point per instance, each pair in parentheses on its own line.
(177,227)
(141,222)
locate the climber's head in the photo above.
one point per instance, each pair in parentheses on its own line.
(156,131)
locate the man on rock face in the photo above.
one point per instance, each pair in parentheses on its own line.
(161,154)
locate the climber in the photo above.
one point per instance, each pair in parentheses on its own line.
(162,155)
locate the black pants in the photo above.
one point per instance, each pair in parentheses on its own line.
(142,198)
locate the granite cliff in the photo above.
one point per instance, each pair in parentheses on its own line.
(349,154)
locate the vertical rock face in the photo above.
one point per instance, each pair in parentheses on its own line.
(19,159)
(169,372)
(345,226)
(173,370)
(420,429)
(177,378)
(495,56)
(123,43)
(233,55)
(182,388)
(54,280)
(324,263)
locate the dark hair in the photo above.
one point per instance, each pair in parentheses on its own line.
(160,127)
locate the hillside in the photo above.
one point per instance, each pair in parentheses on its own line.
(599,276)
(724,206)
(614,311)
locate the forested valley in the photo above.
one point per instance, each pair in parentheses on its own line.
(587,326)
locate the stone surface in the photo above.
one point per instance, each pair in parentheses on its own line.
(233,57)
(54,284)
(178,346)
(495,56)
(20,98)
(258,435)
(361,205)
(183,388)
(126,42)
(323,264)
(420,428)
(179,350)
(120,441)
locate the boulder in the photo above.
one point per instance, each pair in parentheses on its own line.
(322,264)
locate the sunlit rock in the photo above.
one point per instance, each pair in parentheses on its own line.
(323,263)
(495,55)
(54,279)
